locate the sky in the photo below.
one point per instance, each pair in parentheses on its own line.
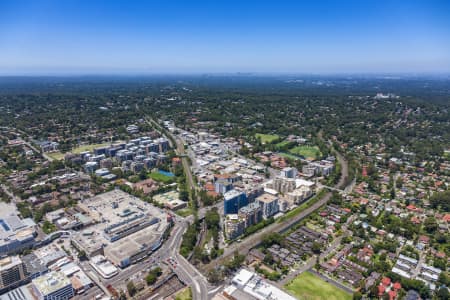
(168,36)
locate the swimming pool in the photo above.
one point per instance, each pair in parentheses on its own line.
(169,174)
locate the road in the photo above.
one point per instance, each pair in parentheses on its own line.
(14,198)
(253,240)
(185,271)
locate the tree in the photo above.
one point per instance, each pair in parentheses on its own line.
(430,225)
(357,296)
(122,296)
(131,288)
(212,219)
(151,278)
(268,259)
(316,248)
(214,276)
(392,194)
(441,200)
(270,239)
(443,293)
(153,275)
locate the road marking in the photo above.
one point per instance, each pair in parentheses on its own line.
(197,286)
(214,290)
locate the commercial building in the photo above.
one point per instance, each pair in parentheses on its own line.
(103,266)
(12,272)
(54,285)
(269,205)
(254,287)
(21,293)
(233,201)
(170,200)
(15,234)
(126,230)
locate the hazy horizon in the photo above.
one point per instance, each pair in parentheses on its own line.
(176,37)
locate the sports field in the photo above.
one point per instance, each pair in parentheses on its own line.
(308,286)
(267,138)
(55,155)
(306,151)
(89,147)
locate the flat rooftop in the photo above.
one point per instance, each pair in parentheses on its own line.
(267,198)
(125,225)
(166,197)
(9,262)
(51,282)
(13,228)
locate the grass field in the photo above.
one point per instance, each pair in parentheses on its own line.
(308,286)
(185,294)
(90,147)
(161,177)
(267,138)
(306,151)
(55,155)
(58,155)
(283,143)
(287,155)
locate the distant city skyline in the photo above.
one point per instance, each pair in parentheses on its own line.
(140,37)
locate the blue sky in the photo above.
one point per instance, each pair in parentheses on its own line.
(167,36)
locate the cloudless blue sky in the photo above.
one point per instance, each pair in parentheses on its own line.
(92,36)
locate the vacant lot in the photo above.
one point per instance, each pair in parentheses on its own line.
(307,286)
(267,138)
(306,151)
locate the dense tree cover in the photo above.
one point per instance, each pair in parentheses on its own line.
(97,109)
(131,288)
(190,239)
(270,239)
(441,201)
(153,275)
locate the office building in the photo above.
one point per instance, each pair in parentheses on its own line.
(53,285)
(233,201)
(255,287)
(12,272)
(16,234)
